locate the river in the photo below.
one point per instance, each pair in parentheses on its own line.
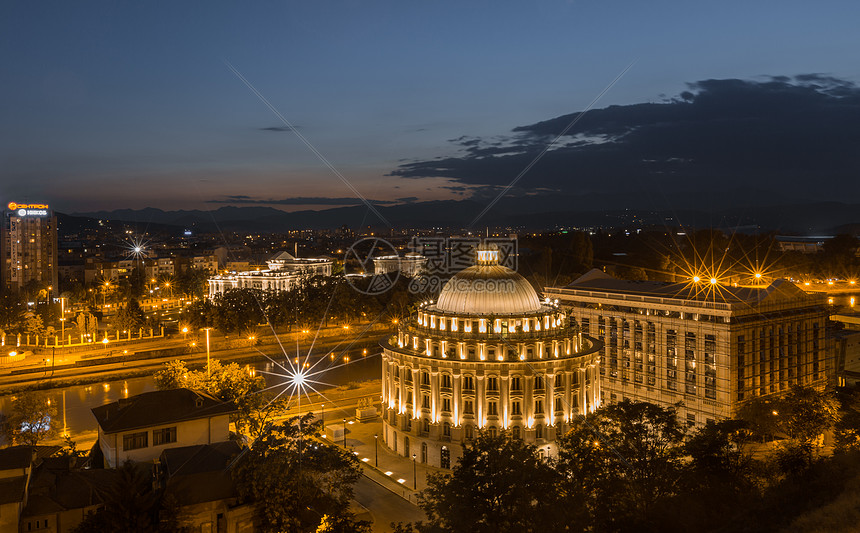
(73,404)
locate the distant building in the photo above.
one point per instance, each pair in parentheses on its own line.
(804,245)
(28,247)
(709,346)
(283,273)
(141,427)
(411,265)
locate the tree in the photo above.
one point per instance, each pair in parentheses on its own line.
(622,460)
(230,383)
(847,429)
(129,317)
(131,505)
(295,481)
(239,310)
(30,419)
(499,484)
(802,415)
(12,309)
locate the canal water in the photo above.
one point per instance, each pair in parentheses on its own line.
(73,404)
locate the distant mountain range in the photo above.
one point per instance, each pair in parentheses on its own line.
(730,211)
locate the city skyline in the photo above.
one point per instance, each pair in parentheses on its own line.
(129,107)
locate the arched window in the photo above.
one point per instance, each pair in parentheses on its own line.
(425,425)
(406,446)
(492,431)
(446,429)
(515,432)
(467,432)
(424,452)
(539,431)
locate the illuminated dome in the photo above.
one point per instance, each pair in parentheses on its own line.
(488,288)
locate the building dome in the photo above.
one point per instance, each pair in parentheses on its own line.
(488,288)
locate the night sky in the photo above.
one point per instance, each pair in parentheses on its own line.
(111,105)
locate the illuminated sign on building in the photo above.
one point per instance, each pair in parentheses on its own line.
(28,210)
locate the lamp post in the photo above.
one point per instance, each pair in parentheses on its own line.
(376,450)
(344,433)
(208,365)
(322,416)
(63,319)
(414,474)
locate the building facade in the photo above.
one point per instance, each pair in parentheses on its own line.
(29,248)
(411,265)
(709,346)
(487,355)
(284,272)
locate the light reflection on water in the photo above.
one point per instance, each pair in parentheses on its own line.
(73,404)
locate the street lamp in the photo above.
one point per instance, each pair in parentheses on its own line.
(208,364)
(63,319)
(344,433)
(376,449)
(414,474)
(322,406)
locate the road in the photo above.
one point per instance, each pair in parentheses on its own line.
(384,506)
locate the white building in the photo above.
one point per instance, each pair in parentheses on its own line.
(488,355)
(141,427)
(411,265)
(283,273)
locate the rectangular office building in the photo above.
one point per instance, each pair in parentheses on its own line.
(29,249)
(707,345)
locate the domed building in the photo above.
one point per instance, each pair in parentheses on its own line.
(487,355)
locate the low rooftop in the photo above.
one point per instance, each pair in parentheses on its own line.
(159,408)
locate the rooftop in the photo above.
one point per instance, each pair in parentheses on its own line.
(702,291)
(159,408)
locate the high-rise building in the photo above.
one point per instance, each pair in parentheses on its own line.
(29,248)
(707,345)
(488,355)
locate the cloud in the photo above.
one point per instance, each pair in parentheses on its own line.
(298,200)
(277,128)
(775,133)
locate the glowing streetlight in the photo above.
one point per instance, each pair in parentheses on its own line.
(696,279)
(208,363)
(713,281)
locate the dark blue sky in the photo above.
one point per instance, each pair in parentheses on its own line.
(120,104)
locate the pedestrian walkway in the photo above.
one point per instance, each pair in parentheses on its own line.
(403,476)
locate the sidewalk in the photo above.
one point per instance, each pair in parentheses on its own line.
(399,474)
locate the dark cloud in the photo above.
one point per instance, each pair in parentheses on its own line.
(799,133)
(277,128)
(408,199)
(298,200)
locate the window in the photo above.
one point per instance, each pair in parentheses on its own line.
(515,432)
(538,406)
(492,431)
(559,381)
(446,404)
(425,378)
(163,436)
(446,381)
(468,407)
(425,425)
(539,431)
(446,429)
(515,408)
(468,383)
(493,383)
(538,382)
(492,408)
(425,401)
(515,384)
(134,441)
(559,405)
(468,432)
